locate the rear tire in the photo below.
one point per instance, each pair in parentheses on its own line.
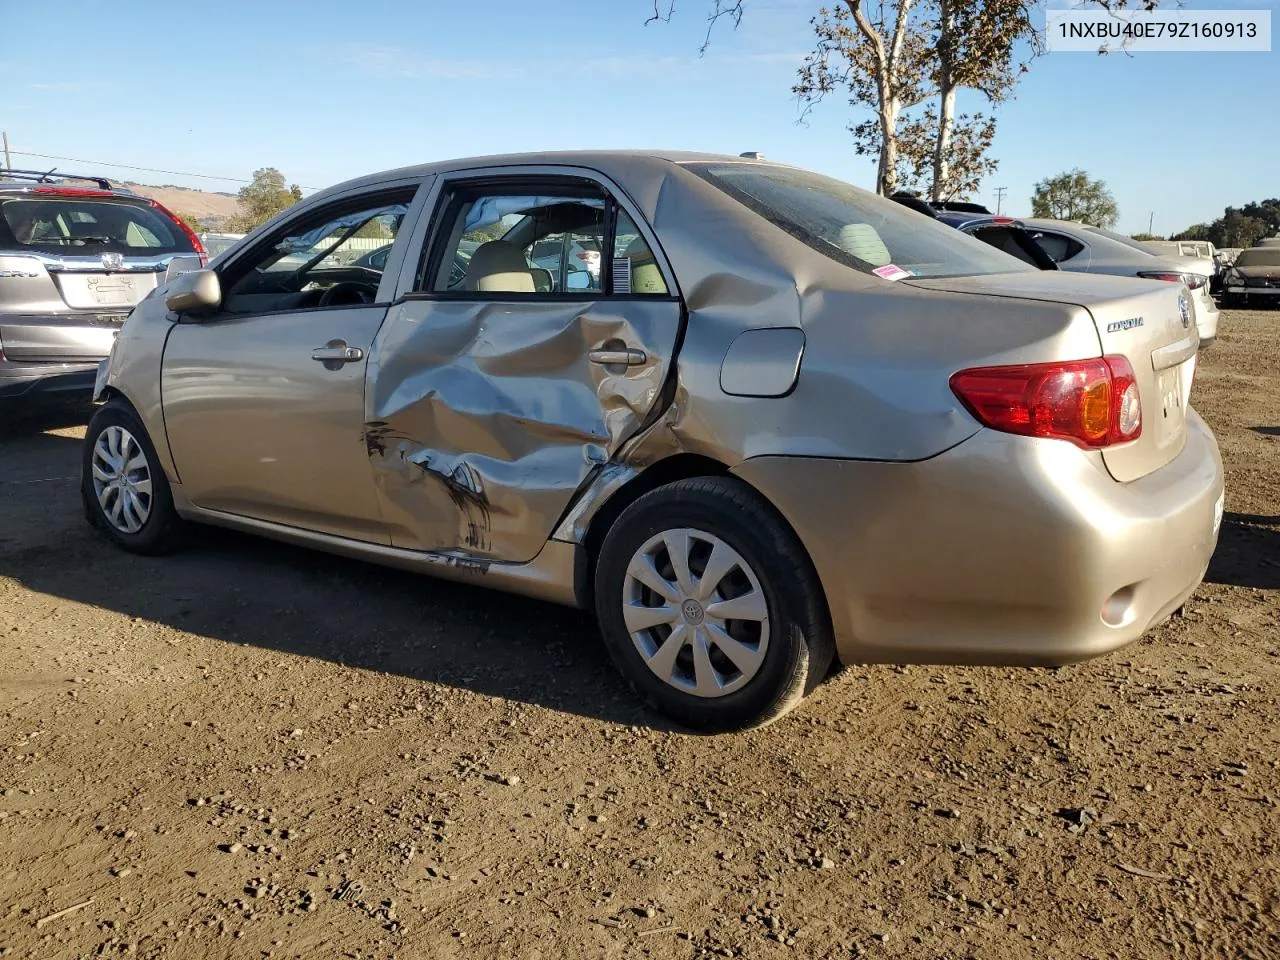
(122,485)
(736,651)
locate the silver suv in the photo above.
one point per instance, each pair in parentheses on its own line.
(76,254)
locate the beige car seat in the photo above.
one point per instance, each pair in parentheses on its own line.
(862,241)
(499,267)
(645,275)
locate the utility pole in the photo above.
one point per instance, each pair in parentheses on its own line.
(1151,222)
(7,162)
(1000,192)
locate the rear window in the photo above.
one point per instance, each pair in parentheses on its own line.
(853,226)
(1259,257)
(77,226)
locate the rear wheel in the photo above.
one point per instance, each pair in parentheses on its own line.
(124,490)
(710,607)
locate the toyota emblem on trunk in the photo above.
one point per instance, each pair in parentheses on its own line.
(113,261)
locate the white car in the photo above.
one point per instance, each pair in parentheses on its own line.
(1084,249)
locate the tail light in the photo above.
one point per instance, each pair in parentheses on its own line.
(1194,281)
(182,225)
(71,192)
(1092,403)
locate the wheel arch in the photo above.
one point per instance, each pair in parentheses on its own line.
(680,466)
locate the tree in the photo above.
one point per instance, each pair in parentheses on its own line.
(880,62)
(1241,227)
(263,198)
(1147,236)
(967,160)
(976,43)
(902,54)
(1074,196)
(195,225)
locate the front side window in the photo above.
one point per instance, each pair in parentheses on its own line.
(334,257)
(84,227)
(853,226)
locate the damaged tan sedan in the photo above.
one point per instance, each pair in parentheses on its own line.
(756,418)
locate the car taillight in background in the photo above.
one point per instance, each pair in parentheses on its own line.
(1194,281)
(182,225)
(1092,403)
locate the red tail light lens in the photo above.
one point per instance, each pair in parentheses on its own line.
(71,192)
(1193,280)
(1092,403)
(182,225)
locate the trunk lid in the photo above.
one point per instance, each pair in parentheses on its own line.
(1141,320)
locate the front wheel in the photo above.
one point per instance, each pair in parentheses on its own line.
(122,485)
(710,607)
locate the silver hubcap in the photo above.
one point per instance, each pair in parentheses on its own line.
(122,479)
(696,612)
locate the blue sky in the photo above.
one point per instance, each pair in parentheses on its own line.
(325,93)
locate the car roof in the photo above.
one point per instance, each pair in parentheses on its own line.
(590,159)
(959,220)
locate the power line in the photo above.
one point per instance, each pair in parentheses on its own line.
(1000,192)
(129,166)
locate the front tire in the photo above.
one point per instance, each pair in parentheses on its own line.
(124,490)
(710,607)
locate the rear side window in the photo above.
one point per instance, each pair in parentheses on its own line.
(76,226)
(1004,239)
(1058,247)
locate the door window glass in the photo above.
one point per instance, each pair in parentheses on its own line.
(1058,247)
(634,269)
(334,257)
(525,243)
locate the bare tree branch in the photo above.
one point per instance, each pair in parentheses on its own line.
(659,15)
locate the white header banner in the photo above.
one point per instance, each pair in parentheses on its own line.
(1158,31)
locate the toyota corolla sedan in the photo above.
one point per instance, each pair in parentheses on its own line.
(786,421)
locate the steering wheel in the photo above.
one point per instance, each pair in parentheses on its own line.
(348,292)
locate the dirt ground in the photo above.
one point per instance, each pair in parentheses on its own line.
(248,750)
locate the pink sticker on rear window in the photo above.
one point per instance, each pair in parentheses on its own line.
(890,271)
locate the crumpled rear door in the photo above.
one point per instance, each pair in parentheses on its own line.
(484,419)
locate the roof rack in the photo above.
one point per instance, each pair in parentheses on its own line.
(50,176)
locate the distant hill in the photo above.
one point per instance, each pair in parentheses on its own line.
(211,209)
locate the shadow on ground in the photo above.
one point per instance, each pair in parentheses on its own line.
(1248,553)
(246,590)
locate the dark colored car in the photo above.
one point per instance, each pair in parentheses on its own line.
(1003,233)
(76,255)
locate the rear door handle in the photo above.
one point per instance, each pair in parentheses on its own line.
(337,352)
(628,357)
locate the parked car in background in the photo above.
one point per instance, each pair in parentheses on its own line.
(1003,233)
(1222,260)
(1268,242)
(788,420)
(76,254)
(1253,279)
(1201,249)
(215,244)
(1080,248)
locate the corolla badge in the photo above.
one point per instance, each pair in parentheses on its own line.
(1116,326)
(1184,310)
(112,261)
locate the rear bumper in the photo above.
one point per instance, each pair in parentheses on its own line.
(1002,550)
(1254,291)
(19,380)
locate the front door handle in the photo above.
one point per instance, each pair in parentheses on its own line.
(626,357)
(336,352)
